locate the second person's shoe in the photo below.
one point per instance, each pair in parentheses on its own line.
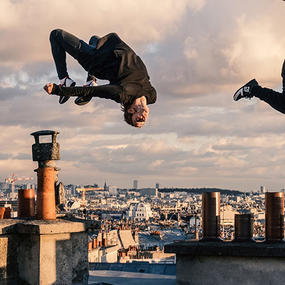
(82,100)
(246,90)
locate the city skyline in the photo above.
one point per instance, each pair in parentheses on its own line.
(197,53)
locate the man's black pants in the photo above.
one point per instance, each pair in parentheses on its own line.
(63,42)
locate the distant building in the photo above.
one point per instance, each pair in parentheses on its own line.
(262,189)
(113,190)
(139,212)
(135,184)
(228,215)
(12,194)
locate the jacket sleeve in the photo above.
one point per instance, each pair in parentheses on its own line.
(151,96)
(108,91)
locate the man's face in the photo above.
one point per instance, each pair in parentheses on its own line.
(139,118)
(140,112)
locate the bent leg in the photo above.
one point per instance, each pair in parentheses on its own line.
(62,42)
(275,99)
(93,43)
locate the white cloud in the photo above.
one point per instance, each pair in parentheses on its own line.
(197,52)
(196,5)
(26,41)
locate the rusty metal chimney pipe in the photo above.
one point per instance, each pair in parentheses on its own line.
(211,216)
(46,154)
(26,203)
(243,227)
(274,216)
(2,212)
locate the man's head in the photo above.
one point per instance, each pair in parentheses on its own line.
(137,113)
(138,118)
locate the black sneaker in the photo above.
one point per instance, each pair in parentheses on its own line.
(65,82)
(245,91)
(82,100)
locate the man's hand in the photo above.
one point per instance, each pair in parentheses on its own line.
(48,87)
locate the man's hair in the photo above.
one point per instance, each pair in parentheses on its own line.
(127,116)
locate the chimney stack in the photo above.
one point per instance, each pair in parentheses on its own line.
(274,216)
(211,216)
(5,213)
(46,154)
(243,227)
(26,203)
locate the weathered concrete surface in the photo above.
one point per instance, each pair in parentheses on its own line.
(8,257)
(80,265)
(131,278)
(213,270)
(28,258)
(8,251)
(49,227)
(246,249)
(230,263)
(143,266)
(43,252)
(8,226)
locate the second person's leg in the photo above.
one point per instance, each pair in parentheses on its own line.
(283,76)
(275,99)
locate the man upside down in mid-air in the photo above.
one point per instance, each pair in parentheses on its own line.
(107,58)
(252,89)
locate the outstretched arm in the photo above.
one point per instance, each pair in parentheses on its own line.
(108,91)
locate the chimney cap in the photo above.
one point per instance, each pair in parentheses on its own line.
(45,133)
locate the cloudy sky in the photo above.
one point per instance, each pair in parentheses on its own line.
(198,52)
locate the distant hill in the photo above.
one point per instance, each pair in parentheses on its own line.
(201,190)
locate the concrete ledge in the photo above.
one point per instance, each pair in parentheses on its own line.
(22,226)
(143,267)
(7,226)
(49,227)
(241,249)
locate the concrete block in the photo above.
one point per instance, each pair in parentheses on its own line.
(231,263)
(212,270)
(43,252)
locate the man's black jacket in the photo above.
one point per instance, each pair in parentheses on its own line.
(115,61)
